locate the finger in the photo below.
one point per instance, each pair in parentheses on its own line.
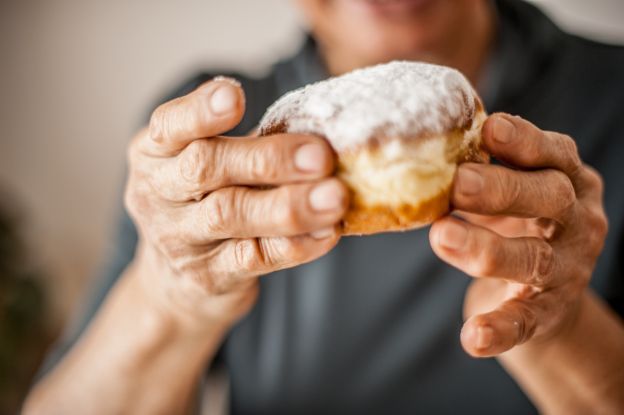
(236,261)
(520,143)
(482,253)
(497,190)
(590,185)
(242,212)
(214,108)
(514,322)
(512,227)
(208,164)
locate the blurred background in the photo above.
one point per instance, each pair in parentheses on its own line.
(76,79)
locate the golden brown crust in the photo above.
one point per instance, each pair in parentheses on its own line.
(363,220)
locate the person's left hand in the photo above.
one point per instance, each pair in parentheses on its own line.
(530,234)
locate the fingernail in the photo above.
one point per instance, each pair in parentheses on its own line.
(310,157)
(485,335)
(323,233)
(504,130)
(231,81)
(469,182)
(452,235)
(223,99)
(326,196)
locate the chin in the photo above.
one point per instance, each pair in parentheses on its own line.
(382,30)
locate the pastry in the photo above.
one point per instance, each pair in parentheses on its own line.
(399,131)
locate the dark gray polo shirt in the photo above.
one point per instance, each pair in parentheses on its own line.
(373,327)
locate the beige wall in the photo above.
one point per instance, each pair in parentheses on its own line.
(77,76)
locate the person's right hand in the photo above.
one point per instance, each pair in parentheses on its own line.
(213,213)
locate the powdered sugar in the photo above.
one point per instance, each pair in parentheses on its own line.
(395,100)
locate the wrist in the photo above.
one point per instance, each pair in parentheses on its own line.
(182,301)
(129,353)
(579,364)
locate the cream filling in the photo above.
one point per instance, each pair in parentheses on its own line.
(408,172)
(401,172)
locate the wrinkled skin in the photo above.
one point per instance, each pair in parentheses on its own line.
(530,237)
(215,213)
(531,234)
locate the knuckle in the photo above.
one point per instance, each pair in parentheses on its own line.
(598,229)
(594,179)
(157,128)
(219,209)
(260,255)
(263,162)
(195,166)
(269,252)
(507,191)
(248,255)
(567,144)
(525,322)
(541,262)
(563,192)
(487,263)
(570,150)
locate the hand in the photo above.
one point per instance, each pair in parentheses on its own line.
(530,235)
(213,213)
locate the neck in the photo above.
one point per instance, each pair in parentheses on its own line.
(469,50)
(465,49)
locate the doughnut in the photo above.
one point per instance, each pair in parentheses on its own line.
(399,130)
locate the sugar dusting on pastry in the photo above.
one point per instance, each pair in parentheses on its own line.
(399,99)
